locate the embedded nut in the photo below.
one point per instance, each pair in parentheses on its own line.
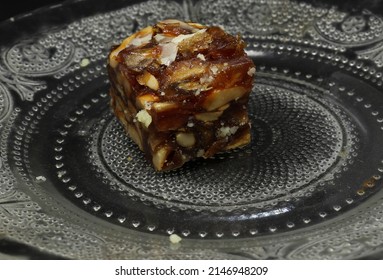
(143,100)
(197,87)
(208,117)
(184,71)
(224,107)
(198,42)
(185,139)
(190,86)
(147,79)
(132,131)
(159,157)
(196,25)
(164,106)
(239,142)
(221,97)
(138,60)
(125,83)
(155,140)
(127,112)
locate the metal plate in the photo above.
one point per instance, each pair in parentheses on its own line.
(307,187)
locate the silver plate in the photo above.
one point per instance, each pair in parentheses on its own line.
(307,187)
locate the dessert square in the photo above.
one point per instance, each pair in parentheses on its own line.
(181,91)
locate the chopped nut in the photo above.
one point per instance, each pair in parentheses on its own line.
(251,71)
(159,157)
(164,106)
(148,80)
(214,69)
(198,42)
(133,133)
(223,108)
(219,98)
(208,117)
(139,41)
(196,25)
(182,71)
(143,100)
(206,79)
(84,62)
(201,56)
(185,139)
(163,38)
(174,238)
(182,37)
(239,142)
(144,118)
(200,153)
(226,131)
(41,178)
(124,82)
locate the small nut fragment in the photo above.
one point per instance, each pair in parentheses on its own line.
(147,79)
(84,62)
(226,131)
(185,139)
(201,56)
(175,238)
(251,71)
(41,178)
(200,153)
(144,118)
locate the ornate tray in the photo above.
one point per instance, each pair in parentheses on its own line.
(308,187)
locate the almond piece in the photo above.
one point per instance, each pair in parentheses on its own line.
(184,71)
(219,98)
(147,79)
(239,142)
(224,107)
(164,106)
(208,117)
(125,83)
(185,139)
(143,100)
(132,131)
(159,157)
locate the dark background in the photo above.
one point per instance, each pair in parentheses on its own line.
(21,7)
(9,9)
